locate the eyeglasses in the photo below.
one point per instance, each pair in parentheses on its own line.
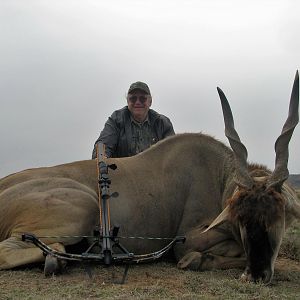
(133,99)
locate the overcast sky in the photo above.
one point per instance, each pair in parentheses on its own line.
(66,65)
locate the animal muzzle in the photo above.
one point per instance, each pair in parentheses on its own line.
(264,276)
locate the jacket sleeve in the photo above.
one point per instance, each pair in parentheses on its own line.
(108,136)
(168,127)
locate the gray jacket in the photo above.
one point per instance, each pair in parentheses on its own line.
(117,133)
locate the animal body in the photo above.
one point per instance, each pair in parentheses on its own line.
(232,214)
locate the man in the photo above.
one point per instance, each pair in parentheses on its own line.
(134,128)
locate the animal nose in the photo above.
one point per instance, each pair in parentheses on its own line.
(267,276)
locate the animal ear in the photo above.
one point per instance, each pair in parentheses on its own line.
(242,177)
(222,217)
(281,173)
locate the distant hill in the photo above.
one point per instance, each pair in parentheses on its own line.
(294,180)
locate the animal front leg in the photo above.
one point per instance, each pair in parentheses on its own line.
(15,253)
(225,255)
(214,249)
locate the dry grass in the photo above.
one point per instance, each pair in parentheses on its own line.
(156,281)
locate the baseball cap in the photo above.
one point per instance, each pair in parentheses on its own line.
(139,86)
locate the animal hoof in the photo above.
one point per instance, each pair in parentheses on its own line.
(51,265)
(197,261)
(190,261)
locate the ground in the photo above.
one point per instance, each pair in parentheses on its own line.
(154,281)
(161,280)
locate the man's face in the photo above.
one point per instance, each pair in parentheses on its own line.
(138,104)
